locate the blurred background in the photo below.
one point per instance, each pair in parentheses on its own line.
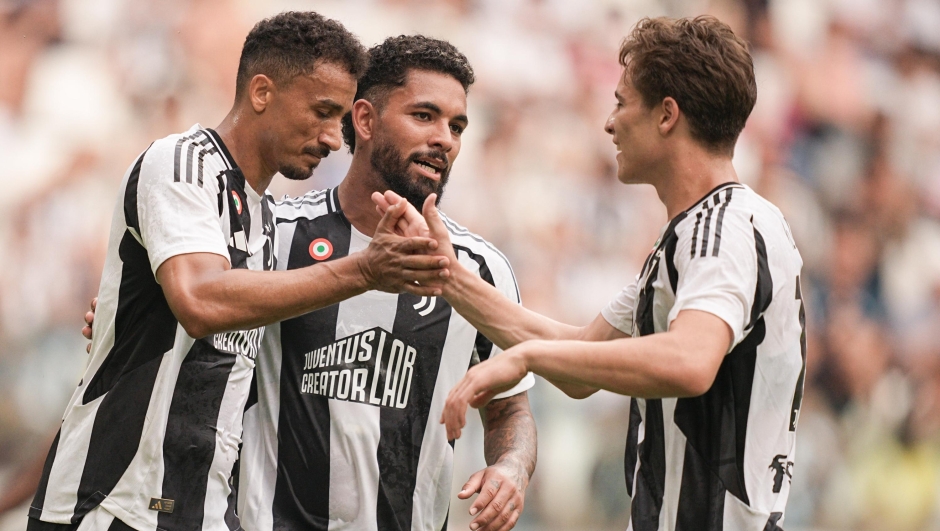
(845,139)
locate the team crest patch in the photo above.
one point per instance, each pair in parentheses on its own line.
(321,249)
(238,202)
(161,505)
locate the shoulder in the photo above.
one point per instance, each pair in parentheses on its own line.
(492,262)
(311,205)
(192,156)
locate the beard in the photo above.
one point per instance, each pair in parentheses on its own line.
(394,167)
(298,173)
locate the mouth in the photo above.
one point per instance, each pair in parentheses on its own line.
(430,167)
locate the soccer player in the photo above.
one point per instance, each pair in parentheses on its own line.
(710,338)
(150,436)
(343,433)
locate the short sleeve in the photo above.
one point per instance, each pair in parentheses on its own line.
(175,217)
(619,311)
(717,273)
(505,281)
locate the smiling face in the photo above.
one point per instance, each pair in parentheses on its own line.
(416,134)
(302,120)
(634,129)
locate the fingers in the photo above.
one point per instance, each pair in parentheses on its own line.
(497,503)
(381,204)
(94,303)
(454,416)
(390,219)
(482,399)
(472,486)
(417,245)
(425,261)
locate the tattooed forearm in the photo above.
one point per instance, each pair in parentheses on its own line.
(509,433)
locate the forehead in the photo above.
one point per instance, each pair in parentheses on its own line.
(327,80)
(423,86)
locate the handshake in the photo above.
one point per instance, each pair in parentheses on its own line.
(410,250)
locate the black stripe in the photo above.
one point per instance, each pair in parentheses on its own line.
(35,524)
(144,329)
(701,496)
(698,219)
(721,215)
(131,218)
(177,156)
(714,191)
(189,162)
(715,423)
(651,478)
(630,452)
(190,439)
(708,219)
(35,508)
(217,140)
(402,430)
(772,522)
(484,346)
(202,154)
(302,491)
(798,392)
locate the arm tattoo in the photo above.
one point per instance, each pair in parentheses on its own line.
(509,433)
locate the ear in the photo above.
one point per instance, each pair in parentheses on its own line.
(260,91)
(364,115)
(669,115)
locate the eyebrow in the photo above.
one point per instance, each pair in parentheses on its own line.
(433,107)
(332,105)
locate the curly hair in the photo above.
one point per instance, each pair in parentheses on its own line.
(390,62)
(701,64)
(292,43)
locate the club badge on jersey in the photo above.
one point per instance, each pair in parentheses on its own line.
(321,249)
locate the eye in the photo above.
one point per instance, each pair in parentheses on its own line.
(457,129)
(322,113)
(423,116)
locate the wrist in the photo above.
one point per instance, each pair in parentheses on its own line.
(363,270)
(455,283)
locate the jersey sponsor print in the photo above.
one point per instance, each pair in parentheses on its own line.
(344,433)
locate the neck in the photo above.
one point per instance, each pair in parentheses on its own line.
(240,138)
(689,175)
(355,193)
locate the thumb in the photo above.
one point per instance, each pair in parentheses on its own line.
(432,216)
(472,486)
(390,219)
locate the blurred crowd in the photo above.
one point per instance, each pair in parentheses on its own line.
(845,139)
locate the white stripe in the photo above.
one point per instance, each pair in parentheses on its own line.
(355,429)
(674,445)
(258,465)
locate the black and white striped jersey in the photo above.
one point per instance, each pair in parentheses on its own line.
(152,431)
(722,460)
(344,433)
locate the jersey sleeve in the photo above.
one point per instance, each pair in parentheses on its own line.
(175,217)
(619,311)
(505,281)
(717,272)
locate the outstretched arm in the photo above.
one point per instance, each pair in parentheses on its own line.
(509,445)
(680,362)
(207,297)
(502,321)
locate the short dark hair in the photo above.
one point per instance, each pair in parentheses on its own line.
(292,43)
(390,62)
(701,64)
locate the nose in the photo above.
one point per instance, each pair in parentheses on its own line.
(332,135)
(609,125)
(441,138)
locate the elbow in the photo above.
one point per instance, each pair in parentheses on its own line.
(579,393)
(193,319)
(696,381)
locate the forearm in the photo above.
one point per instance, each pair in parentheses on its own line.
(648,367)
(238,299)
(501,320)
(510,434)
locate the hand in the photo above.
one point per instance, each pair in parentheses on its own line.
(430,221)
(396,264)
(481,383)
(502,495)
(410,224)
(89,322)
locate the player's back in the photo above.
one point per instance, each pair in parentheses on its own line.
(344,433)
(152,430)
